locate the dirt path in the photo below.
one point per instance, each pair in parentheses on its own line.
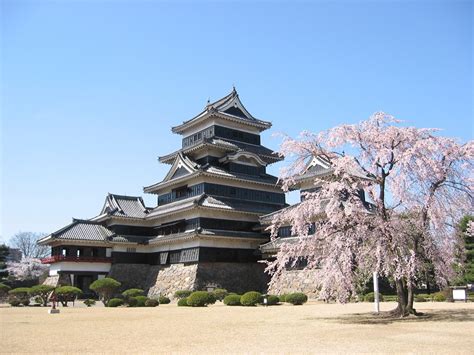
(312,328)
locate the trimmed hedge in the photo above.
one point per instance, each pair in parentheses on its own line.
(251,298)
(200,299)
(164,300)
(141,300)
(370,297)
(19,295)
(282,298)
(115,302)
(182,294)
(439,297)
(133,292)
(220,294)
(272,300)
(183,302)
(297,298)
(151,302)
(232,300)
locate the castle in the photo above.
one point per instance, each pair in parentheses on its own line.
(204,231)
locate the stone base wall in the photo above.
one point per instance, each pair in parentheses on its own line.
(166,280)
(295,281)
(234,277)
(130,275)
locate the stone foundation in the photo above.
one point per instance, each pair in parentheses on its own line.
(167,279)
(295,281)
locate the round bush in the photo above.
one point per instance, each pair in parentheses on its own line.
(251,298)
(439,297)
(272,300)
(133,292)
(282,298)
(115,302)
(199,299)
(164,300)
(211,298)
(220,294)
(141,300)
(105,287)
(67,294)
(151,302)
(296,298)
(183,302)
(182,294)
(21,294)
(370,297)
(232,300)
(132,302)
(89,302)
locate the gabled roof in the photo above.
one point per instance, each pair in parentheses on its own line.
(80,229)
(182,165)
(229,107)
(226,145)
(124,206)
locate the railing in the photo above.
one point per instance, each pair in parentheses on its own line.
(57,258)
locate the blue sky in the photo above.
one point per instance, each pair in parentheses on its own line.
(89,90)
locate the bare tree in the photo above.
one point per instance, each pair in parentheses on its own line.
(26,242)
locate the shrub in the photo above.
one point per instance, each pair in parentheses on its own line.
(105,287)
(182,294)
(251,298)
(370,297)
(42,291)
(164,300)
(220,294)
(211,298)
(183,302)
(199,299)
(115,302)
(133,292)
(38,300)
(420,299)
(89,302)
(67,294)
(141,300)
(14,302)
(21,294)
(132,302)
(296,298)
(151,302)
(272,300)
(4,290)
(439,297)
(282,298)
(390,298)
(232,300)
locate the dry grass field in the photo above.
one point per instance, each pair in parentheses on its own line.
(313,328)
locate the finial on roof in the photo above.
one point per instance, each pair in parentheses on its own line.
(234,91)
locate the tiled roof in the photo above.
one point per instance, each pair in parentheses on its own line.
(229,107)
(82,230)
(125,206)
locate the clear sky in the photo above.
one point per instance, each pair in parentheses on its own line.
(90,89)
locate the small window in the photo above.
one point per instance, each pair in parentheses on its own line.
(131,250)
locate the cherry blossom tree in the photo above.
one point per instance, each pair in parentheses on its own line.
(26,269)
(417,184)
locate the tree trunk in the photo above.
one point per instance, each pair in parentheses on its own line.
(402,294)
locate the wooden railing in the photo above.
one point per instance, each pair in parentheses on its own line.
(57,258)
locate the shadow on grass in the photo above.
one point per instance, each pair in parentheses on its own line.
(459,315)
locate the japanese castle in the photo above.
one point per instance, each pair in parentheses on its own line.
(204,231)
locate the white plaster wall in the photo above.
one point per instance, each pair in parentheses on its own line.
(79,266)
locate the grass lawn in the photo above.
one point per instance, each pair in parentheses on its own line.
(315,327)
